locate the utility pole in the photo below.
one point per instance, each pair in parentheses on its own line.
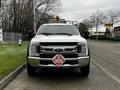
(14,10)
(34,9)
(0,13)
(97,32)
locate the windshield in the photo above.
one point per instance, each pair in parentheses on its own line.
(57,30)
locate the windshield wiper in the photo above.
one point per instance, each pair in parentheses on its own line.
(63,34)
(56,34)
(46,33)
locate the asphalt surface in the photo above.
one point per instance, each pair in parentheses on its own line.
(107,57)
(104,75)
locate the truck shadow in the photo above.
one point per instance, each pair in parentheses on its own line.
(59,74)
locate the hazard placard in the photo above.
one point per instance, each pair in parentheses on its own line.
(58,60)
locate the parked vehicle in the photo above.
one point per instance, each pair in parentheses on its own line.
(58,45)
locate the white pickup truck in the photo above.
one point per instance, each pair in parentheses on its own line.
(58,45)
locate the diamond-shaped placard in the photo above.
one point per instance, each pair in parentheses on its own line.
(58,60)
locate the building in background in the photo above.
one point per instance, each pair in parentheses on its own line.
(101,30)
(117,32)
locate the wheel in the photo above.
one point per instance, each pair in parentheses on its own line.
(85,70)
(31,71)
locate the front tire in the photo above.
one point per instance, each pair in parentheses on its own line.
(85,70)
(31,71)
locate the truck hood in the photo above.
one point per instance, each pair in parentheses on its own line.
(58,38)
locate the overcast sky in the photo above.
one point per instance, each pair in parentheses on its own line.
(81,9)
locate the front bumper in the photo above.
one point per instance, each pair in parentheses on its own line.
(35,62)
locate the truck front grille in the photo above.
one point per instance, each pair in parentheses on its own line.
(64,55)
(67,49)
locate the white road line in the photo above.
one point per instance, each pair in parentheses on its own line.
(107,73)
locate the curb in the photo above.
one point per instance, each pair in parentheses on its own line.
(11,76)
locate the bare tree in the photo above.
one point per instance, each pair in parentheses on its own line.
(3,11)
(89,23)
(48,6)
(44,8)
(18,15)
(97,18)
(113,16)
(51,7)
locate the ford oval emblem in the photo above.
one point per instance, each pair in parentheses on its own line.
(58,50)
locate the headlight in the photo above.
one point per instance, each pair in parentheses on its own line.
(33,49)
(82,49)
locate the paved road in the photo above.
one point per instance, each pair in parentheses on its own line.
(107,56)
(105,73)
